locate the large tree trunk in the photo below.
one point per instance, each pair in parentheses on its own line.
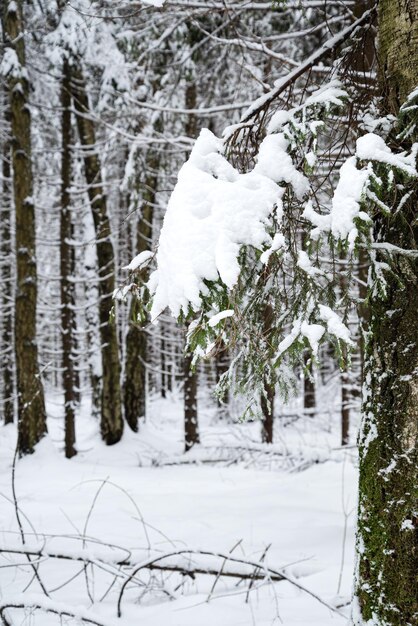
(31,406)
(66,266)
(7,346)
(111,421)
(387,537)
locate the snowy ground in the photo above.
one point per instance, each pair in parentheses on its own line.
(134,496)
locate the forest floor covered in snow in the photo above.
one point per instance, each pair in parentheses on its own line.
(289,507)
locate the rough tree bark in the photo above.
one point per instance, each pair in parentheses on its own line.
(111,421)
(387,537)
(66,265)
(7,351)
(31,406)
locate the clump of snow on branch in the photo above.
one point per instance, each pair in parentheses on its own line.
(212,212)
(352,187)
(371,147)
(10,65)
(345,205)
(141,260)
(334,324)
(215,319)
(312,332)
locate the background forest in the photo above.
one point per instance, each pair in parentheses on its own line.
(219,489)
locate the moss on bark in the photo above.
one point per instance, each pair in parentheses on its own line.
(387,580)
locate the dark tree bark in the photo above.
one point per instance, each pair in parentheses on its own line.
(222,363)
(163,365)
(267,397)
(387,538)
(66,266)
(309,397)
(31,406)
(7,351)
(267,410)
(111,421)
(191,428)
(345,407)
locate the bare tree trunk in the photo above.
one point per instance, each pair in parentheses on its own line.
(221,368)
(111,421)
(7,351)
(191,428)
(267,410)
(163,365)
(31,406)
(387,527)
(66,265)
(267,397)
(345,407)
(309,398)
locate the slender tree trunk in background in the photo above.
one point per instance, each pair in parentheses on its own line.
(309,398)
(66,265)
(222,363)
(163,365)
(134,385)
(267,398)
(169,367)
(267,410)
(387,536)
(191,427)
(345,407)
(345,380)
(111,421)
(31,406)
(7,351)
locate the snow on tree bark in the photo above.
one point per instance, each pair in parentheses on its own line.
(31,407)
(111,421)
(67,320)
(7,344)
